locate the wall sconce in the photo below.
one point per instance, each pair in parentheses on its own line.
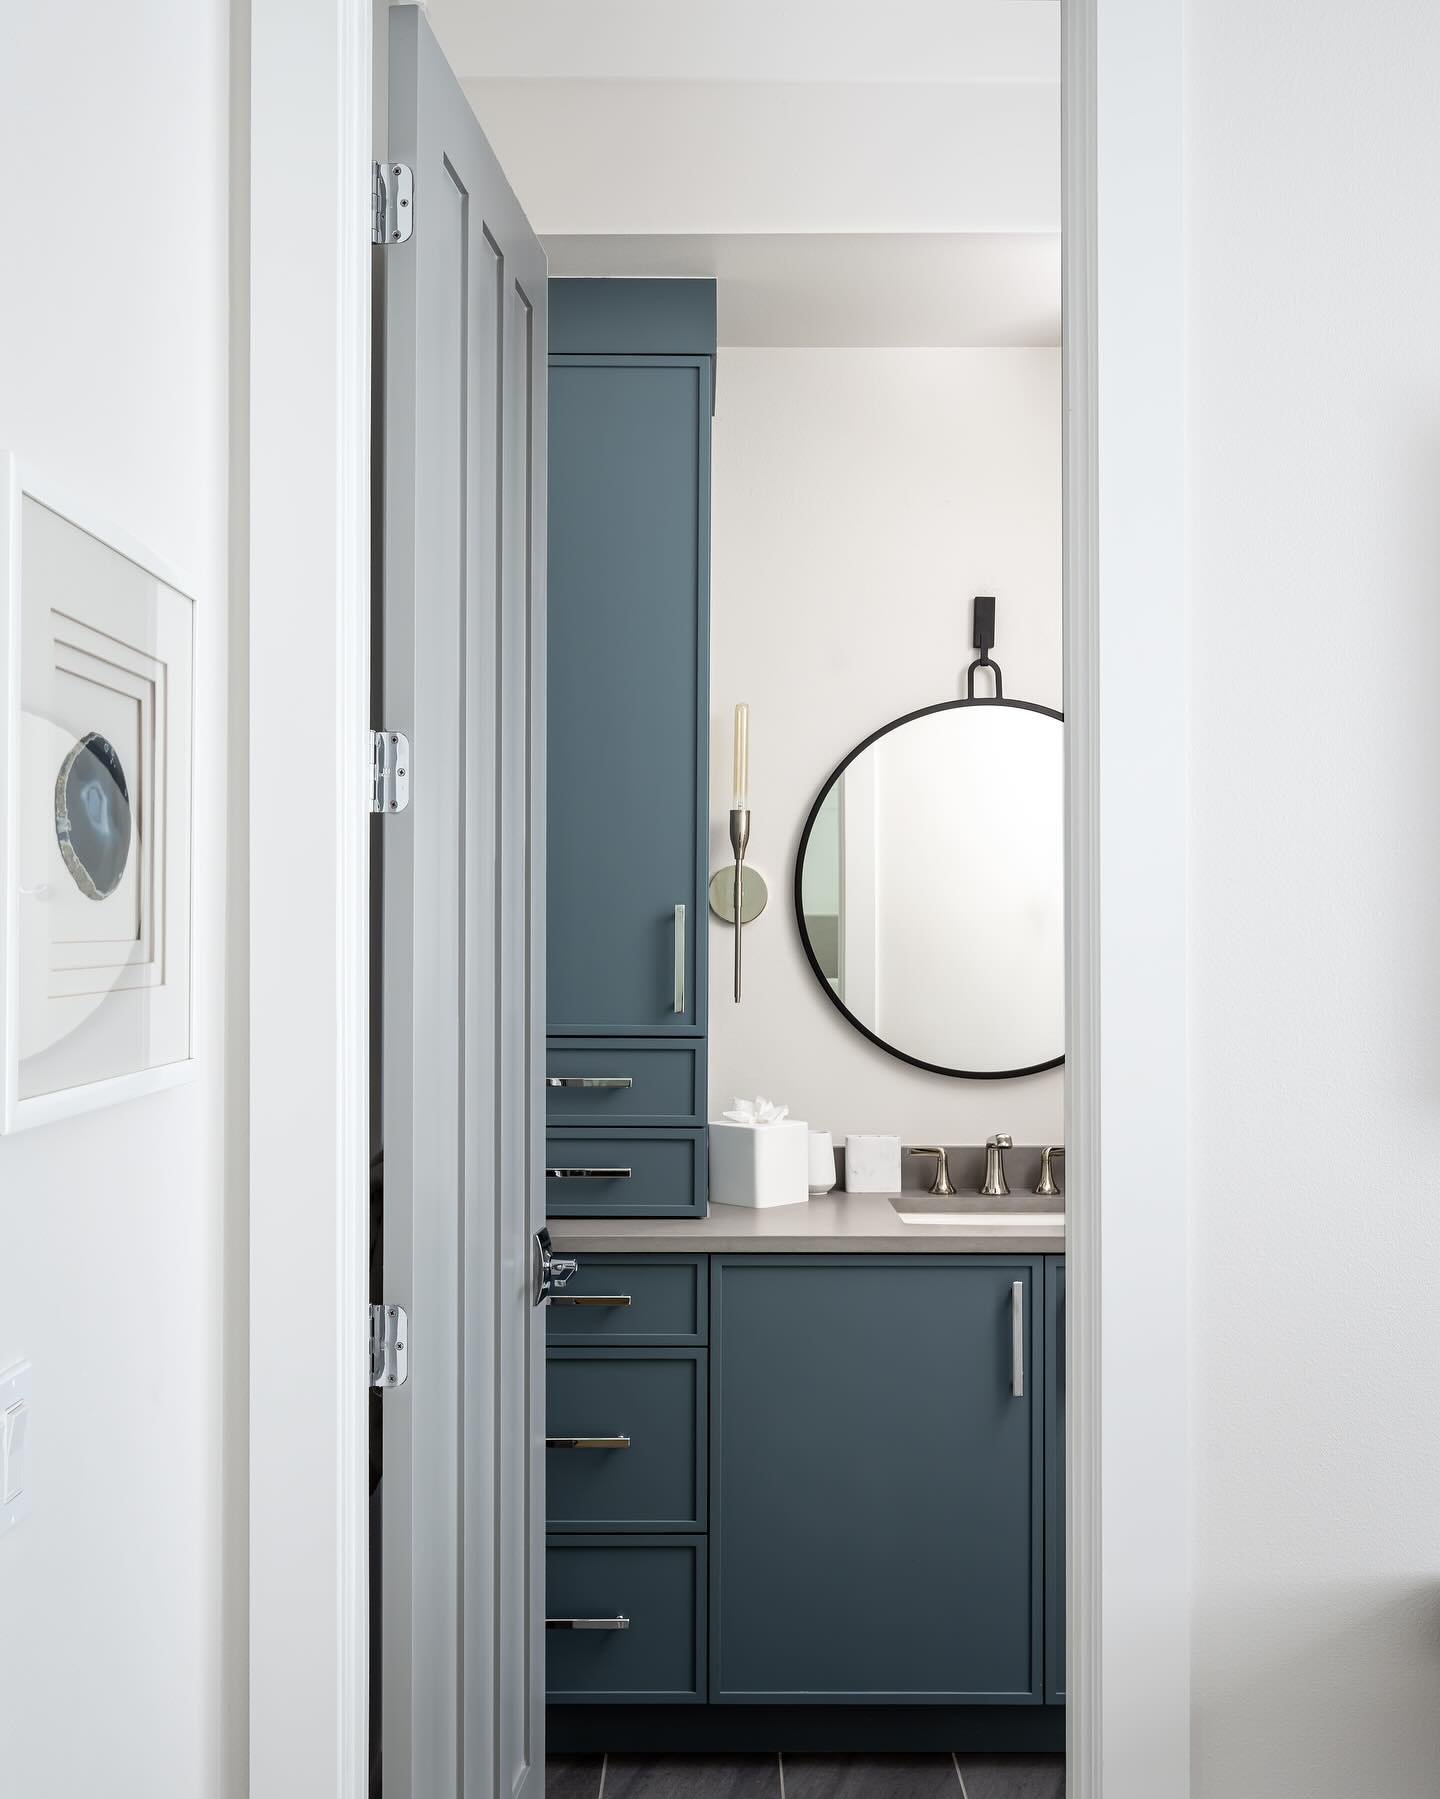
(738,894)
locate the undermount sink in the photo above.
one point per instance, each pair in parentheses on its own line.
(973,1211)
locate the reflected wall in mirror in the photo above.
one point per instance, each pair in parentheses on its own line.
(929,888)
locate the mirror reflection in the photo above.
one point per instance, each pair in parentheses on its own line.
(930,888)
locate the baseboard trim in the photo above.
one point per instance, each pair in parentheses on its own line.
(814,1729)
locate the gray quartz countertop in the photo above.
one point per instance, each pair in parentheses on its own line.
(837,1223)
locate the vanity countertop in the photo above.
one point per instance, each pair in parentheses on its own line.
(836,1224)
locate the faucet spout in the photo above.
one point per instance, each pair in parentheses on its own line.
(996,1186)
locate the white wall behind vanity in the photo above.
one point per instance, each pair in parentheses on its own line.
(862,497)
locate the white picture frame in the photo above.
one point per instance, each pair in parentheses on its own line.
(97,677)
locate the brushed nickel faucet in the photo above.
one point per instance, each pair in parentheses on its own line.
(942,1184)
(995,1183)
(1047,1188)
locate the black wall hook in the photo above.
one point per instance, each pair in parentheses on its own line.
(984,638)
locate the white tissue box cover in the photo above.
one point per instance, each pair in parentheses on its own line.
(872,1164)
(759,1164)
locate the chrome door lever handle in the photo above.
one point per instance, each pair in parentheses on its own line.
(551,1272)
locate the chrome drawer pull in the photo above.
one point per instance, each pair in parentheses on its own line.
(587,1442)
(680,959)
(588,1174)
(592,1082)
(1017,1339)
(620,1623)
(591,1299)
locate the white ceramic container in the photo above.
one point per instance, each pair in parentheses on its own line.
(822,1163)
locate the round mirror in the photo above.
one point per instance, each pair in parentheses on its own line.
(929,888)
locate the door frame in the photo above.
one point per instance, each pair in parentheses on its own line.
(307,394)
(307,99)
(1127,1332)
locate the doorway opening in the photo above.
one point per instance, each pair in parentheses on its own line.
(722,574)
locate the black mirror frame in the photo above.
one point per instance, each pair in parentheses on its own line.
(963,1074)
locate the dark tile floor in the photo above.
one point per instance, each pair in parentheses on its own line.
(805,1777)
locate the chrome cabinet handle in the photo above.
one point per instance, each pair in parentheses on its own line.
(620,1623)
(591,1299)
(592,1082)
(588,1174)
(1017,1339)
(587,1442)
(680,959)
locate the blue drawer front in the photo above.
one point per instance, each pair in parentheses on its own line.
(667,1298)
(634,1174)
(667,1082)
(658,1585)
(648,1408)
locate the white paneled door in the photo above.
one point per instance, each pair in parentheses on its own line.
(462,675)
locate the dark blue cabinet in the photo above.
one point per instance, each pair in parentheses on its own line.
(877,1462)
(876,1445)
(629,510)
(627,778)
(1055,1480)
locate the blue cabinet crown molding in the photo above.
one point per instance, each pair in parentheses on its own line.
(621,317)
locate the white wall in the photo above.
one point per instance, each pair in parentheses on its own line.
(862,498)
(1314,291)
(113,372)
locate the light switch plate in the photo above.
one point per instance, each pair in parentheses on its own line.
(16,1440)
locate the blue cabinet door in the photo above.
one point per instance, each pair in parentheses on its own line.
(876,1479)
(629,510)
(1055,1479)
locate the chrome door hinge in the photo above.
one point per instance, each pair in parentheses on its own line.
(392,208)
(389,771)
(389,1333)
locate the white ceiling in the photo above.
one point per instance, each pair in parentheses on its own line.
(752,40)
(915,143)
(716,156)
(849,291)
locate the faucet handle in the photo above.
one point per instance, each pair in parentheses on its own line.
(1001,1141)
(941,1184)
(1047,1188)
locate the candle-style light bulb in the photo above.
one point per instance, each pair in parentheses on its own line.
(742,757)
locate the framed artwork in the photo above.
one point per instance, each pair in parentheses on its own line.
(96,688)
